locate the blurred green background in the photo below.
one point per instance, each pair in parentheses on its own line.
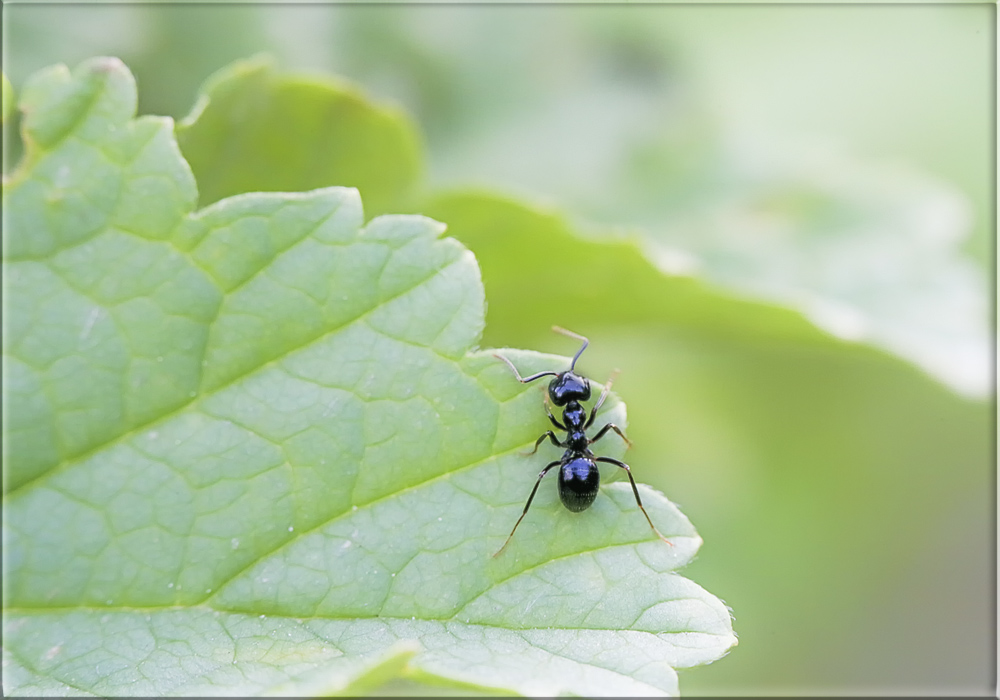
(831,161)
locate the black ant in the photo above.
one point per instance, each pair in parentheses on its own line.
(579,478)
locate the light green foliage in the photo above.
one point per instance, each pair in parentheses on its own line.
(868,253)
(238,139)
(251,449)
(529,253)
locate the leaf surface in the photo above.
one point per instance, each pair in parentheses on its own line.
(253,449)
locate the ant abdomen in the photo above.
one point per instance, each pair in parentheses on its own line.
(579,480)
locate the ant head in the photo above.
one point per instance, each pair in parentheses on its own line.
(568,386)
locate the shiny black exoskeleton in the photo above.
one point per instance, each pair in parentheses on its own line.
(579,478)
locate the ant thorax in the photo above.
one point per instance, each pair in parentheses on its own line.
(575,420)
(574,416)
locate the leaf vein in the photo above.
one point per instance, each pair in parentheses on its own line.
(126,435)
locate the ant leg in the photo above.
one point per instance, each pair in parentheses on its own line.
(548,434)
(552,418)
(600,401)
(523,380)
(635,490)
(606,428)
(528,504)
(571,334)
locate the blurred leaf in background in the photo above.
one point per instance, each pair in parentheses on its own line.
(238,139)
(602,117)
(776,166)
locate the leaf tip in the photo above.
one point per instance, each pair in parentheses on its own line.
(224,79)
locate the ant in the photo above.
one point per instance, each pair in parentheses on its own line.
(579,478)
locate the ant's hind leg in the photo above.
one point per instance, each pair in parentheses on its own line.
(635,490)
(606,428)
(527,505)
(600,401)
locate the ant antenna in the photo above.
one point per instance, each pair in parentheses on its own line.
(523,380)
(571,334)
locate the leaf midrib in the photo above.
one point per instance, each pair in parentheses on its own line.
(302,619)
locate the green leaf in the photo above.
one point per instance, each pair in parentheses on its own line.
(252,449)
(868,252)
(528,253)
(246,134)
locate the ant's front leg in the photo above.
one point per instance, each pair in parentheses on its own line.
(548,434)
(600,401)
(606,428)
(545,400)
